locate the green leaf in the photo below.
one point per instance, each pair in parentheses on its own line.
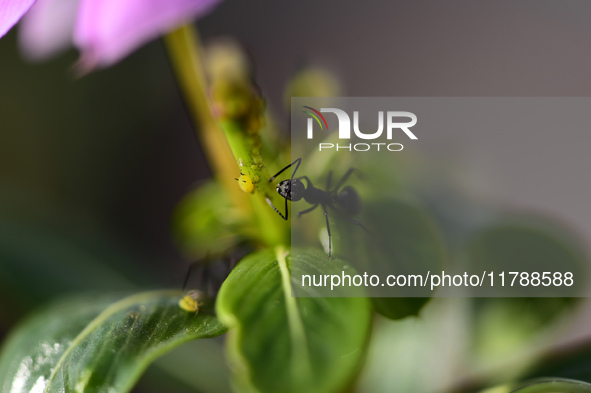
(199,366)
(574,363)
(505,326)
(398,308)
(206,220)
(402,240)
(98,343)
(530,244)
(410,356)
(554,385)
(286,344)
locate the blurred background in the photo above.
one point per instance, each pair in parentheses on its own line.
(91,168)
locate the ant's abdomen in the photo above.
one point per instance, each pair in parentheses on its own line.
(349,201)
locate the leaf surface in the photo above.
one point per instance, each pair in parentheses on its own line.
(286,344)
(98,343)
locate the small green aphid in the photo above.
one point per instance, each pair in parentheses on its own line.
(191,301)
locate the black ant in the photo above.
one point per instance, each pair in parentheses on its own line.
(344,202)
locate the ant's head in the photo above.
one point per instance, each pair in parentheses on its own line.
(292,190)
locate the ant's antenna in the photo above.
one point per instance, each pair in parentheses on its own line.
(297,162)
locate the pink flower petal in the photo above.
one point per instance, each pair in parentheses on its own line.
(48,28)
(108,30)
(11,11)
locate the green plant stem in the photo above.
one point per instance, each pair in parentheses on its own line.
(184,52)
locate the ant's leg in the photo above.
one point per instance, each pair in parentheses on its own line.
(350,220)
(200,264)
(328,180)
(186,280)
(307,210)
(343,180)
(286,211)
(297,162)
(307,179)
(285,217)
(329,234)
